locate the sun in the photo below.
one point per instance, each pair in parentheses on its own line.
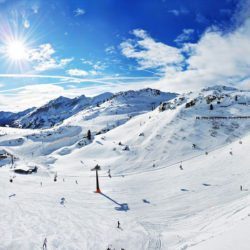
(16,50)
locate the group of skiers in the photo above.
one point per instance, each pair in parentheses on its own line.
(45,239)
(109,248)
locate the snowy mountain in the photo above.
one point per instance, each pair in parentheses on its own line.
(118,109)
(8,118)
(188,125)
(56,111)
(172,165)
(220,88)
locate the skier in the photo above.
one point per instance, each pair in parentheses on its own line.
(181,168)
(62,202)
(76,182)
(118,224)
(45,244)
(241,188)
(55,177)
(109,247)
(41,184)
(109,173)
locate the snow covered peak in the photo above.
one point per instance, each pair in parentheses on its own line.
(147,97)
(60,99)
(61,108)
(220,88)
(56,111)
(143,92)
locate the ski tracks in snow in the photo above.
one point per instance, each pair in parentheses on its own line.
(154,236)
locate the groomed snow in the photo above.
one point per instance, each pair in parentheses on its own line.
(158,205)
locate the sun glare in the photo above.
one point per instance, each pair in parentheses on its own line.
(16,50)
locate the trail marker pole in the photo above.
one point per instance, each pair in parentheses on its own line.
(96,169)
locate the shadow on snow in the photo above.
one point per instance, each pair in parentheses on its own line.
(122,206)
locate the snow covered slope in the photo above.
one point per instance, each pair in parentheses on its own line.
(71,134)
(119,109)
(178,133)
(159,204)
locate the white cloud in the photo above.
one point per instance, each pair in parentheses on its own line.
(79,12)
(99,66)
(223,55)
(184,36)
(87,62)
(28,96)
(77,72)
(42,58)
(94,67)
(151,54)
(110,50)
(70,79)
(178,12)
(216,58)
(94,72)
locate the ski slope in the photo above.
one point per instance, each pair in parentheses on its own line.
(158,205)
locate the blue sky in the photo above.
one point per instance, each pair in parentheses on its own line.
(84,42)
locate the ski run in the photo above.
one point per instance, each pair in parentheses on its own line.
(174,172)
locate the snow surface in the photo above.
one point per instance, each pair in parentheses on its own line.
(158,205)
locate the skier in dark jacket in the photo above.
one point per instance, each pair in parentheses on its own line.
(181,168)
(45,244)
(55,177)
(109,173)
